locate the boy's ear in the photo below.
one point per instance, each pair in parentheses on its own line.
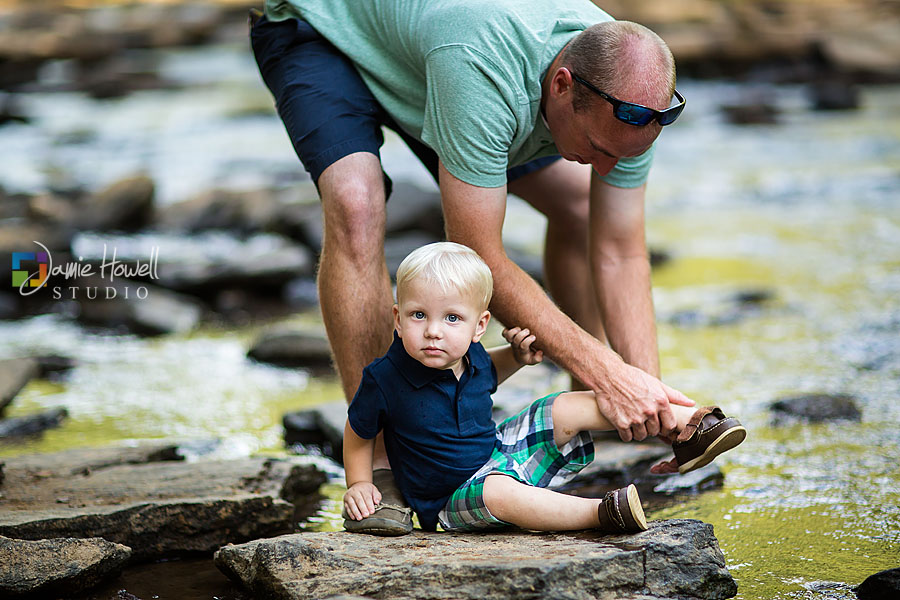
(396,310)
(481,326)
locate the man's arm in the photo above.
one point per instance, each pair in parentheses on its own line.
(621,271)
(634,401)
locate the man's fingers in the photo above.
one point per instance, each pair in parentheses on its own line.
(667,423)
(676,397)
(652,426)
(639,432)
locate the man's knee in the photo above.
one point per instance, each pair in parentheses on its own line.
(354,213)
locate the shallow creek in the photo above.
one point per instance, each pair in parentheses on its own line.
(807,210)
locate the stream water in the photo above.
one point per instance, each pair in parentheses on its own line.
(807,210)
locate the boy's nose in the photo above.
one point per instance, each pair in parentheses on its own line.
(433,330)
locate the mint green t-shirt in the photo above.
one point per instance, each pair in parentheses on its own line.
(462,76)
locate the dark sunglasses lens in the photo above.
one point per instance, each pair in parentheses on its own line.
(634,114)
(670,115)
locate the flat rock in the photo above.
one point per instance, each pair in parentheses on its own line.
(57,566)
(816,408)
(158,507)
(15,373)
(673,559)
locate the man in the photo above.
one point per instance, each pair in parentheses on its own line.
(486,94)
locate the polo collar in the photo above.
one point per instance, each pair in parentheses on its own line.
(418,375)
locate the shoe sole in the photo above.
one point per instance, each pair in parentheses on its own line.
(382,527)
(634,504)
(725,442)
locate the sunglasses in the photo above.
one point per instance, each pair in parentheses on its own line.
(636,114)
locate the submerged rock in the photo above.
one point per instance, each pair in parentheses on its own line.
(884,585)
(32,424)
(678,558)
(816,408)
(157,508)
(15,373)
(57,566)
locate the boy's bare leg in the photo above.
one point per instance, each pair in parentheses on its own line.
(574,412)
(538,508)
(354,287)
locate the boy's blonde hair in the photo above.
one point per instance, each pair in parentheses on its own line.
(449,265)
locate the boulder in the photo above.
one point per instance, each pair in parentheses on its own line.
(292,349)
(816,408)
(319,430)
(52,567)
(31,424)
(124,205)
(158,507)
(678,558)
(15,373)
(884,585)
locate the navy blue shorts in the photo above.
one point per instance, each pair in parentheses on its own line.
(326,108)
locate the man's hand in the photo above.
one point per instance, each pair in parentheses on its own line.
(520,341)
(638,404)
(360,500)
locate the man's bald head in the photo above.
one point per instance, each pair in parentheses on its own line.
(625,60)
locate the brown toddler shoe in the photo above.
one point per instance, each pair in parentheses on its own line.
(392,516)
(708,434)
(620,511)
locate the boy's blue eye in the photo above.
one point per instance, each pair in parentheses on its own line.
(418,315)
(453,318)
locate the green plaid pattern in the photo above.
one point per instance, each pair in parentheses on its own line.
(525,450)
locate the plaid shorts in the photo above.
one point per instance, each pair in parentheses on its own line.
(525,451)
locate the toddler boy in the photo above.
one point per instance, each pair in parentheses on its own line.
(431,396)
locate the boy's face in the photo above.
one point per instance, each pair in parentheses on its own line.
(436,327)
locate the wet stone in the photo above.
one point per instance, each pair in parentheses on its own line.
(49,567)
(884,585)
(486,566)
(124,205)
(144,499)
(292,349)
(28,425)
(816,408)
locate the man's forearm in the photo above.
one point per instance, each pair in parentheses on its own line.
(626,303)
(519,300)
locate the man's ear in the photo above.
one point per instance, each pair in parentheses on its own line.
(481,326)
(396,310)
(562,82)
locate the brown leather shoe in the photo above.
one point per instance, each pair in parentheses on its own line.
(620,511)
(392,515)
(708,434)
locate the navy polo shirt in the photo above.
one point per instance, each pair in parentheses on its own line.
(437,431)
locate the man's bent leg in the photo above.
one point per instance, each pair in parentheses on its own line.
(561,192)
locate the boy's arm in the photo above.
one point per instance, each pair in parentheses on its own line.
(362,495)
(509,359)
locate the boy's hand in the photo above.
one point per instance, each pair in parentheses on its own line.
(360,500)
(520,340)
